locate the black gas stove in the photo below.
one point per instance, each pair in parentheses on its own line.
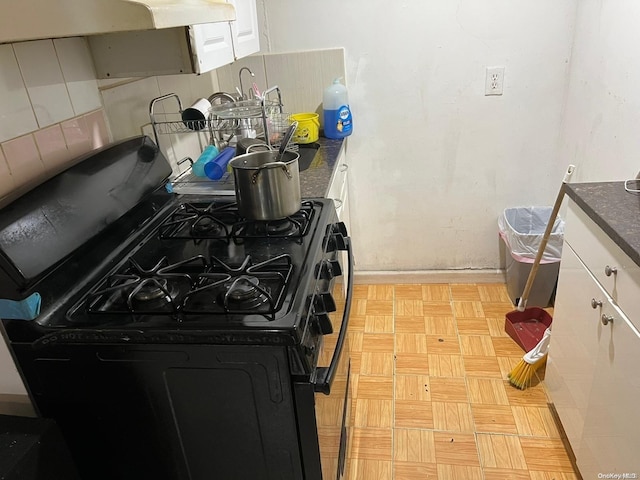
(171,337)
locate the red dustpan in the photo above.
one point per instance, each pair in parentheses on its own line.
(527,325)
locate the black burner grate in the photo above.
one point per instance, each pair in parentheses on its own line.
(222,221)
(211,221)
(194,287)
(295,226)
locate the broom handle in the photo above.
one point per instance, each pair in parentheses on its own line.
(545,238)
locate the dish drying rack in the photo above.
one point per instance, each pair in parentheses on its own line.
(224,121)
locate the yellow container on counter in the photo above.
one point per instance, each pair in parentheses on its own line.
(308,130)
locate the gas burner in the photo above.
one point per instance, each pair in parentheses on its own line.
(208,221)
(295,226)
(283,227)
(206,226)
(148,289)
(136,290)
(244,292)
(243,288)
(247,289)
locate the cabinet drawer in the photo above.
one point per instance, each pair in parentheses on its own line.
(601,256)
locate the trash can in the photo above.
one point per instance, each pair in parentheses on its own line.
(522,229)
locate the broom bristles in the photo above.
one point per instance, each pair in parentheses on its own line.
(523,373)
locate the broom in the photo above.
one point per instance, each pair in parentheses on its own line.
(522,374)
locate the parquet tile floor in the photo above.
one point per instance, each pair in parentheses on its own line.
(430,395)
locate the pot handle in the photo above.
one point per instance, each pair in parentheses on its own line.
(285,168)
(257,145)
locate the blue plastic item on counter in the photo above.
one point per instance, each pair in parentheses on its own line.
(215,168)
(207,155)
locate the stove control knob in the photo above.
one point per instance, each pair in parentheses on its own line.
(340,228)
(324,324)
(336,241)
(325,303)
(330,269)
(335,237)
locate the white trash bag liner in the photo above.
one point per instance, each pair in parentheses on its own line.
(522,229)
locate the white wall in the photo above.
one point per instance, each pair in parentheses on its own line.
(431,156)
(601,134)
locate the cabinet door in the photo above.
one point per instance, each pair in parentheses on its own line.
(211,46)
(339,192)
(246,39)
(342,210)
(338,180)
(611,437)
(575,330)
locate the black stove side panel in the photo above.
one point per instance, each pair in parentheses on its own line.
(167,412)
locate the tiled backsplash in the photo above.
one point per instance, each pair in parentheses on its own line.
(50,111)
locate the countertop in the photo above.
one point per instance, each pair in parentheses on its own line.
(314,181)
(614,210)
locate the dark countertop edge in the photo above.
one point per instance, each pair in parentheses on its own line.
(614,210)
(315,180)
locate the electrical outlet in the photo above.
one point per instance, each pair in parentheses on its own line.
(494,81)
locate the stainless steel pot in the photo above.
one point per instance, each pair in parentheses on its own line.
(267,189)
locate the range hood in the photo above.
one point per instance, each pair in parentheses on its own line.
(37,19)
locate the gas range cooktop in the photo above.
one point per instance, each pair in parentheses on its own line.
(205,266)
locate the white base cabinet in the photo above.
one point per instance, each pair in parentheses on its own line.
(339,192)
(339,188)
(592,375)
(194,49)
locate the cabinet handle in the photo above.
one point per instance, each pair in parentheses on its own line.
(343,167)
(609,270)
(606,319)
(595,303)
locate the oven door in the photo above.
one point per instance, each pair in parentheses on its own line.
(332,385)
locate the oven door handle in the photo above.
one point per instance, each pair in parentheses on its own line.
(325,375)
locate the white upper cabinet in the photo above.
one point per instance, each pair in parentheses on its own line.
(212,46)
(218,44)
(244,30)
(194,49)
